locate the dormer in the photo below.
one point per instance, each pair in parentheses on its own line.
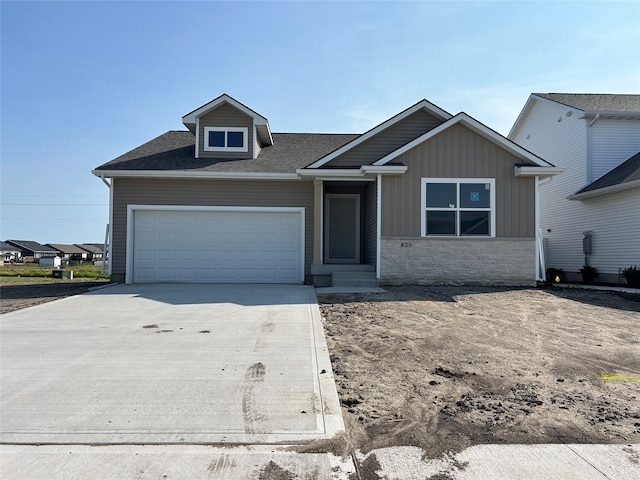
(227,129)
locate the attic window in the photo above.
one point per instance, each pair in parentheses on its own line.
(225,139)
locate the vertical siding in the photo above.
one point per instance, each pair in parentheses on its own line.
(612,142)
(388,140)
(205,193)
(563,144)
(370,221)
(458,153)
(226,116)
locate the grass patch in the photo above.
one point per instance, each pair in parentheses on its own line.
(33,270)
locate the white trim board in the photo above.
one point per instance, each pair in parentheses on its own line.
(131,209)
(478,128)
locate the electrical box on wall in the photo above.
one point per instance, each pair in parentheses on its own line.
(587,242)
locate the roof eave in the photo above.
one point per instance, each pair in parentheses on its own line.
(534,171)
(194,174)
(621,187)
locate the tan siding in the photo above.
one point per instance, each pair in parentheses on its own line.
(387,141)
(226,116)
(205,193)
(370,218)
(458,153)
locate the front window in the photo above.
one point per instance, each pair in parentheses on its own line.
(458,207)
(225,139)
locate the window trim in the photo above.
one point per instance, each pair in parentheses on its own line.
(458,181)
(226,130)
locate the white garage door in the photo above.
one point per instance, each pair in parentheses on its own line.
(217,246)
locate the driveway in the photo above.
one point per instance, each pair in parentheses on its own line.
(168,363)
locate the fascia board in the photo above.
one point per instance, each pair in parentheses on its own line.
(194,174)
(384,169)
(621,187)
(329,172)
(477,127)
(528,171)
(423,104)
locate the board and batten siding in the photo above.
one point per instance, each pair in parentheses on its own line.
(387,141)
(458,152)
(204,193)
(370,223)
(612,143)
(226,116)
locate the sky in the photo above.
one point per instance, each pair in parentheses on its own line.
(84,82)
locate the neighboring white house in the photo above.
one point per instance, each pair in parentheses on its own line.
(596,139)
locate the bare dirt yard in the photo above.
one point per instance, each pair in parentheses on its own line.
(16,294)
(444,368)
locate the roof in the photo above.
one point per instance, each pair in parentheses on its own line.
(31,245)
(6,247)
(175,150)
(624,176)
(66,248)
(596,102)
(90,247)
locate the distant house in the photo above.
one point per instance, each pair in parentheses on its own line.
(9,252)
(29,248)
(590,214)
(424,197)
(70,252)
(94,251)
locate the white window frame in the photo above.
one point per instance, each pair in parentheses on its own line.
(226,130)
(458,209)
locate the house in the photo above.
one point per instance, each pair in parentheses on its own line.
(94,250)
(70,252)
(29,248)
(590,214)
(9,252)
(424,197)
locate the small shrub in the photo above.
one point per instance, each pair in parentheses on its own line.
(632,275)
(588,273)
(554,275)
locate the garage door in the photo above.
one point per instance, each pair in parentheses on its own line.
(217,246)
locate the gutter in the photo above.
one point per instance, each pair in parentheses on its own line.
(196,174)
(621,187)
(531,171)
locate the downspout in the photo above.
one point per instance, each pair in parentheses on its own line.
(378,224)
(108,234)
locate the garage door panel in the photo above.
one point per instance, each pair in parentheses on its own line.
(217,246)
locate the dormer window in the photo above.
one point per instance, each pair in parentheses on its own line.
(225,139)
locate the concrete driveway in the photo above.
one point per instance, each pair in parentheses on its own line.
(165,363)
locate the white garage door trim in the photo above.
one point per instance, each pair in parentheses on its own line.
(131,210)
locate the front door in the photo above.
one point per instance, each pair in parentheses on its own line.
(342,228)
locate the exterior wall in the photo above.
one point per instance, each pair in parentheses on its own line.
(370,223)
(613,219)
(458,153)
(206,193)
(615,223)
(458,261)
(612,142)
(563,144)
(387,141)
(226,116)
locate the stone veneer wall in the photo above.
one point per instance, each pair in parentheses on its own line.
(457,261)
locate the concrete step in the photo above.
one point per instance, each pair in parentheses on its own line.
(329,268)
(354,279)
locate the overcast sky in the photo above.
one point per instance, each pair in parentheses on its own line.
(84,82)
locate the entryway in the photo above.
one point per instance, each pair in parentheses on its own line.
(342,228)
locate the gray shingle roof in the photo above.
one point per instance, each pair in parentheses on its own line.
(627,171)
(32,246)
(175,150)
(6,247)
(67,248)
(90,247)
(596,102)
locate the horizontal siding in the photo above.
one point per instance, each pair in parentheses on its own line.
(562,143)
(615,223)
(612,142)
(458,153)
(226,116)
(387,141)
(205,193)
